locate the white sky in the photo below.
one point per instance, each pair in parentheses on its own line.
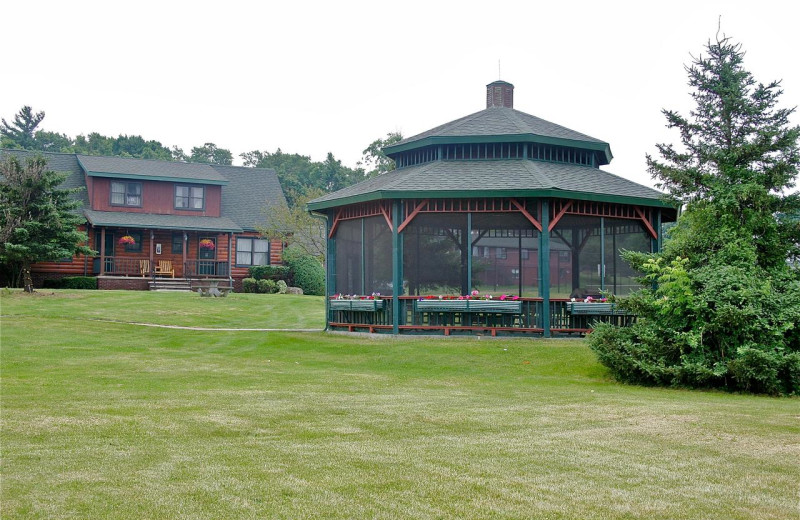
(314,77)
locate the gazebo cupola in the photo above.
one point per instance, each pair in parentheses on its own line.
(500,132)
(498,201)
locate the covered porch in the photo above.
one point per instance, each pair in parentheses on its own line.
(162,246)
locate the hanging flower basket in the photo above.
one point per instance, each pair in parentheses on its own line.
(127,240)
(207,244)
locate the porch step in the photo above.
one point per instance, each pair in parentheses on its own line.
(169,284)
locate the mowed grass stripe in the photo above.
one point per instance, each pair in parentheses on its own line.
(117,421)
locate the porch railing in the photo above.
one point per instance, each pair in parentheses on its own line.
(127,266)
(122,266)
(206,269)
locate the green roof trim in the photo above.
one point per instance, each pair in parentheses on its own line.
(472,194)
(181,180)
(596,146)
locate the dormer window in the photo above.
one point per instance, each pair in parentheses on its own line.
(126,194)
(190,197)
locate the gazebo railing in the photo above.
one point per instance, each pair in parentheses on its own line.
(432,316)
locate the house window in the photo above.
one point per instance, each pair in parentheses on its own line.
(177,243)
(501,253)
(126,193)
(525,253)
(137,247)
(252,251)
(190,197)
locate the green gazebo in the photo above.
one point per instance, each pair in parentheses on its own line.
(499,202)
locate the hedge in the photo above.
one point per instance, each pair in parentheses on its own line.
(71,282)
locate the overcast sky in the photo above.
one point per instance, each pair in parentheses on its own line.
(319,77)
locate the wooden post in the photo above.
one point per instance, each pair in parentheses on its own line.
(102,248)
(544,267)
(183,249)
(397,267)
(230,258)
(152,247)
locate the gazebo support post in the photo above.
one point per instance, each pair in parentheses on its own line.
(397,267)
(466,242)
(544,267)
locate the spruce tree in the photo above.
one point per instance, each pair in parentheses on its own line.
(722,305)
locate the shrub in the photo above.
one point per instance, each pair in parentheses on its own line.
(269,272)
(249,285)
(72,282)
(267,286)
(727,324)
(307,272)
(756,371)
(282,286)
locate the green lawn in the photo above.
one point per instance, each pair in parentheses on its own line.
(112,420)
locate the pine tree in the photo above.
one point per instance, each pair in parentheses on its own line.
(21,132)
(37,219)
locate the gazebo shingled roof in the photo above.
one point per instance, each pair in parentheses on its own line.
(498,123)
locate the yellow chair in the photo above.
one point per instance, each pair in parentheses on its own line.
(144,267)
(165,267)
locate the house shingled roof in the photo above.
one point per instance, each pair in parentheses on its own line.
(124,167)
(246,192)
(250,194)
(159,221)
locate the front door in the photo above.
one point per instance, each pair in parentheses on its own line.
(109,252)
(206,263)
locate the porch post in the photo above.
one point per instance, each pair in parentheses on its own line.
(397,267)
(185,244)
(544,267)
(230,258)
(152,248)
(102,250)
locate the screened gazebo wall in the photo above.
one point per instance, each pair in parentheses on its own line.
(587,255)
(440,248)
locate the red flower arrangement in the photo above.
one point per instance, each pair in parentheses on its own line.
(373,296)
(207,244)
(127,240)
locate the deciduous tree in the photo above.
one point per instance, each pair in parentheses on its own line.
(375,161)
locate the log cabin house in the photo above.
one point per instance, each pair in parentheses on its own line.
(164,224)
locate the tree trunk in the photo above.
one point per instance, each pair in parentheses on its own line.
(26,277)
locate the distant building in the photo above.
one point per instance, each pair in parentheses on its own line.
(180,221)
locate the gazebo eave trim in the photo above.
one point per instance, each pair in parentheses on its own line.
(471,194)
(597,146)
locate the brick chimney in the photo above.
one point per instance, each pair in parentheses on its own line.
(500,94)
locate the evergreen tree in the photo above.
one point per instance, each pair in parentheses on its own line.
(37,219)
(724,304)
(21,132)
